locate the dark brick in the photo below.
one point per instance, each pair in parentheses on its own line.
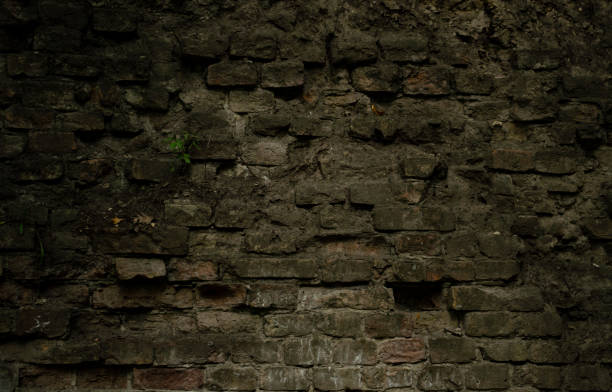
(16,237)
(18,13)
(451,349)
(311,126)
(340,323)
(20,117)
(403,47)
(164,378)
(102,378)
(114,20)
(231,378)
(7,321)
(476,83)
(228,322)
(288,324)
(488,298)
(268,124)
(163,240)
(506,350)
(441,378)
(250,348)
(132,69)
(355,352)
(152,98)
(391,218)
(259,43)
(203,42)
(45,377)
(71,13)
(534,110)
(42,321)
(187,213)
(285,379)
(513,160)
(82,121)
(353,47)
(548,323)
(200,349)
(51,142)
(276,268)
(419,167)
(599,228)
(282,74)
(151,170)
(538,60)
(232,73)
(491,324)
(355,298)
(555,162)
(419,243)
(40,170)
(488,269)
(142,296)
(57,39)
(221,295)
(587,378)
(402,351)
(311,193)
(487,376)
(381,78)
(389,325)
(346,270)
(27,64)
(76,65)
(252,101)
(497,245)
(586,86)
(427,81)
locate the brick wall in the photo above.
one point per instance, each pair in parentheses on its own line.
(305,195)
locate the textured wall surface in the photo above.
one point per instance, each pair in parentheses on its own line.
(327,195)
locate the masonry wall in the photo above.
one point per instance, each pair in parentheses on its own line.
(379,195)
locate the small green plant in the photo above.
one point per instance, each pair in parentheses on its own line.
(182,145)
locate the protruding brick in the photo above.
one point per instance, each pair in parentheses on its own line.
(402,351)
(419,243)
(140,268)
(166,378)
(232,73)
(311,193)
(353,47)
(282,74)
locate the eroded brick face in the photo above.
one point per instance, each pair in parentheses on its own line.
(305,195)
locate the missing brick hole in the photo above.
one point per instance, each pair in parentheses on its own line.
(417,296)
(217,291)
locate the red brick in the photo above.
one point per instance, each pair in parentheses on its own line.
(402,351)
(164,378)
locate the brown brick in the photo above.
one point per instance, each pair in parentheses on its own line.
(389,325)
(307,351)
(419,243)
(513,160)
(258,43)
(451,349)
(404,47)
(285,379)
(139,268)
(587,378)
(180,269)
(335,269)
(252,349)
(381,78)
(353,47)
(27,64)
(127,351)
(45,377)
(47,322)
(371,298)
(428,81)
(296,324)
(402,351)
(102,378)
(142,296)
(167,378)
(506,350)
(152,170)
(341,323)
(392,218)
(489,324)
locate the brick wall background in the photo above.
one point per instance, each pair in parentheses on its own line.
(384,195)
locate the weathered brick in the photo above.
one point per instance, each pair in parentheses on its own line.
(307,351)
(221,295)
(228,322)
(419,243)
(7,321)
(40,170)
(48,322)
(524,298)
(370,193)
(232,73)
(434,81)
(555,162)
(16,237)
(337,379)
(140,268)
(391,218)
(311,126)
(513,160)
(542,351)
(451,349)
(538,60)
(419,167)
(268,124)
(397,377)
(102,378)
(51,142)
(497,245)
(11,145)
(471,82)
(151,99)
(441,378)
(258,43)
(381,78)
(252,349)
(164,378)
(311,193)
(50,352)
(76,65)
(126,69)
(403,47)
(142,296)
(276,268)
(389,325)
(285,379)
(282,74)
(184,212)
(114,20)
(251,101)
(127,351)
(340,323)
(163,240)
(353,47)
(358,298)
(281,296)
(265,153)
(231,378)
(580,113)
(502,269)
(489,324)
(45,377)
(506,350)
(402,351)
(279,325)
(539,109)
(271,239)
(151,170)
(57,39)
(547,323)
(346,270)
(200,349)
(355,352)
(487,376)
(587,378)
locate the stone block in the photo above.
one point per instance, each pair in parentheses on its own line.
(251,101)
(228,322)
(369,298)
(224,378)
(538,60)
(167,378)
(547,323)
(506,350)
(311,126)
(51,142)
(282,74)
(494,270)
(76,65)
(319,192)
(419,167)
(180,270)
(389,325)
(381,78)
(497,245)
(150,99)
(296,324)
(268,295)
(127,351)
(119,21)
(57,39)
(249,349)
(492,324)
(342,323)
(513,160)
(232,74)
(555,162)
(11,145)
(20,117)
(402,47)
(346,270)
(265,153)
(16,237)
(163,240)
(203,42)
(432,81)
(338,379)
(183,212)
(401,351)
(441,378)
(419,243)
(284,378)
(200,349)
(353,47)
(583,377)
(142,296)
(27,64)
(393,218)
(473,83)
(276,268)
(307,351)
(45,377)
(151,170)
(259,43)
